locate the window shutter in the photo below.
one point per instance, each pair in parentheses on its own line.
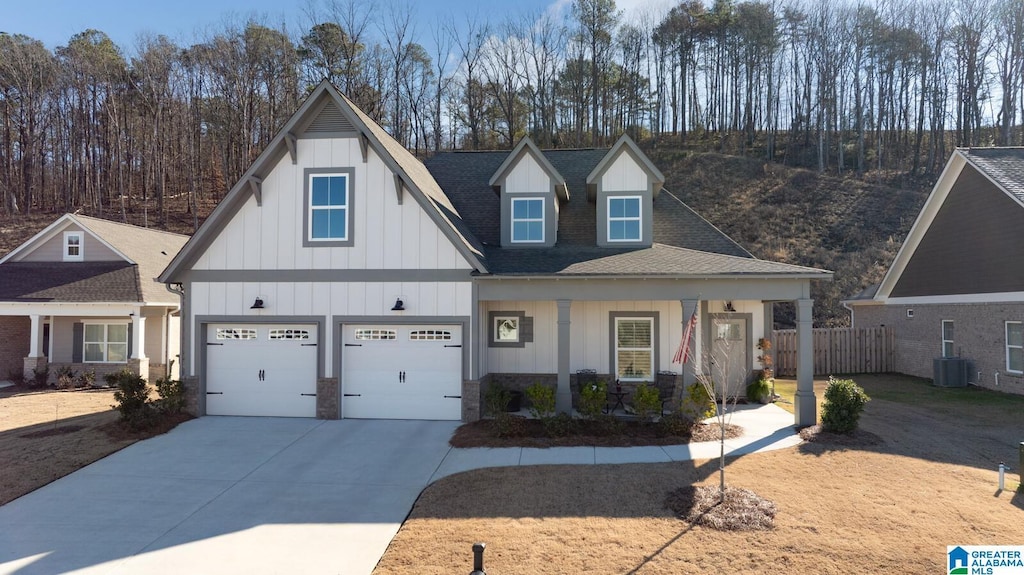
(526,329)
(130,341)
(77,341)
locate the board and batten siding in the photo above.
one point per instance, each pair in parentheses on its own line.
(527,177)
(327,299)
(386,235)
(52,250)
(624,175)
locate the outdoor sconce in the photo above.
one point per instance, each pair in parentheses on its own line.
(258,304)
(399,305)
(728,306)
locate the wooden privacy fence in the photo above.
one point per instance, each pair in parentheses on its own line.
(838,350)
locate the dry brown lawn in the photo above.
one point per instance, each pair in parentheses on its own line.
(45,435)
(889,507)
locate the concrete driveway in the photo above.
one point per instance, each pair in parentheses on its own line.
(231,495)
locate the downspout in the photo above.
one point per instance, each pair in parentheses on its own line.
(175,288)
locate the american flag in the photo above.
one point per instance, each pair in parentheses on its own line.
(683,353)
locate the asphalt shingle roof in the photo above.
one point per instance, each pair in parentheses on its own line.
(684,243)
(115,281)
(1003,165)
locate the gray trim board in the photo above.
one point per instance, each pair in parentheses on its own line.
(655,338)
(631,289)
(329,275)
(338,321)
(350,220)
(202,321)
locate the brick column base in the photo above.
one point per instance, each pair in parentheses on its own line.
(140,367)
(31,365)
(470,401)
(327,406)
(193,405)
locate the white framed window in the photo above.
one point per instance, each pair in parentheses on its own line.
(289,334)
(506,329)
(1015,347)
(375,334)
(430,335)
(624,219)
(328,207)
(947,338)
(528,220)
(634,348)
(73,248)
(105,343)
(235,333)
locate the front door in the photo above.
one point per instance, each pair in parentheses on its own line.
(729,351)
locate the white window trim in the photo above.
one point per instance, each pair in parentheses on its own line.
(514,219)
(81,246)
(1006,335)
(619,320)
(105,343)
(945,341)
(346,206)
(639,218)
(497,321)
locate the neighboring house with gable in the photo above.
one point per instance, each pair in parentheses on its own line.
(342,277)
(956,287)
(83,293)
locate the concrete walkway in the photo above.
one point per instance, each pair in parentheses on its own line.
(267,495)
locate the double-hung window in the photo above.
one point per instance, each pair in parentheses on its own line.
(1015,347)
(634,348)
(329,202)
(528,220)
(947,338)
(73,247)
(105,343)
(624,219)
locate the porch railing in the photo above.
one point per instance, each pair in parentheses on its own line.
(838,350)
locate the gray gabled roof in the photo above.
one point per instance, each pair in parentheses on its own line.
(414,177)
(107,282)
(1004,166)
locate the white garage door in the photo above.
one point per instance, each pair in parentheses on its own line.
(402,372)
(257,369)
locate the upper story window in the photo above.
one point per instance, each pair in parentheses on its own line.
(947,338)
(73,247)
(329,207)
(528,220)
(624,219)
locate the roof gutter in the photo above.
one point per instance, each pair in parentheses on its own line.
(827,276)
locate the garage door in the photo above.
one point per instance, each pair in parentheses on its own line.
(257,369)
(402,372)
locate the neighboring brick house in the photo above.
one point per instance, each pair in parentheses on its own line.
(82,293)
(343,277)
(956,287)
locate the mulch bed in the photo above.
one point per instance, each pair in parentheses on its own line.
(742,510)
(857,438)
(117,431)
(49,432)
(588,434)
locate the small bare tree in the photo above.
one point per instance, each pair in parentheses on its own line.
(715,375)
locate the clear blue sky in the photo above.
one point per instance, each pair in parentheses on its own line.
(55,21)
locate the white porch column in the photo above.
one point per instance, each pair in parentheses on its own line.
(138,336)
(688,369)
(804,402)
(563,396)
(36,336)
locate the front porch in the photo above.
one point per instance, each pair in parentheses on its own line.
(628,330)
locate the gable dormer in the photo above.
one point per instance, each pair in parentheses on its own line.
(623,185)
(531,192)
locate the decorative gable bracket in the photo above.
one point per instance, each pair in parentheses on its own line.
(256,185)
(399,186)
(364,144)
(291,142)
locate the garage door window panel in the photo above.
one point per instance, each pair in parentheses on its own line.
(105,343)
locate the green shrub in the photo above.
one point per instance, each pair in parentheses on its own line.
(496,399)
(675,425)
(39,376)
(542,400)
(132,397)
(508,425)
(172,395)
(758,391)
(647,402)
(86,378)
(559,425)
(844,401)
(697,404)
(605,425)
(593,399)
